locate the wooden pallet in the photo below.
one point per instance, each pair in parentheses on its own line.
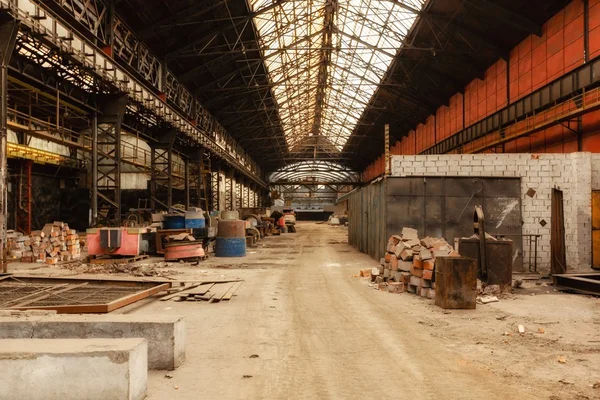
(117,260)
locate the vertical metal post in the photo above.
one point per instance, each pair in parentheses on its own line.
(24,198)
(94,180)
(8,37)
(586,31)
(186,182)
(388,160)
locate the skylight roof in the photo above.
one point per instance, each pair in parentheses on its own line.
(325,59)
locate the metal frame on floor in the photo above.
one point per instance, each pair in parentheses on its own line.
(74,295)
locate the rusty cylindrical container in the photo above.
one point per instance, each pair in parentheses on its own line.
(181,251)
(231,238)
(233,228)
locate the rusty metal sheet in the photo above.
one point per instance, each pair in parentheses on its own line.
(74,295)
(580,283)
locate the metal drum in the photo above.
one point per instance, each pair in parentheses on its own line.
(230,247)
(233,228)
(229,215)
(194,219)
(174,221)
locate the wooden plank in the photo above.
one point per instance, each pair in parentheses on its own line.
(123,301)
(206,297)
(200,290)
(179,293)
(219,290)
(231,291)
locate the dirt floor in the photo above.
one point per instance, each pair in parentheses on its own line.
(302,326)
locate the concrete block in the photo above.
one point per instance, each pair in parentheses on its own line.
(73,369)
(165,334)
(404,265)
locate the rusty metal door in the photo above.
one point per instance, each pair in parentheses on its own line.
(596,229)
(558,260)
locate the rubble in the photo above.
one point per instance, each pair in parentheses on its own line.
(409,263)
(55,242)
(148,270)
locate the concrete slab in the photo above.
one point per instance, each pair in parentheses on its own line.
(73,369)
(165,334)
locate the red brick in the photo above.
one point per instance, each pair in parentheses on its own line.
(416,271)
(417,262)
(427,274)
(428,265)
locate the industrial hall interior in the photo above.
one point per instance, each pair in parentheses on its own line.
(299,199)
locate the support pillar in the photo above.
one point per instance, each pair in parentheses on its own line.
(198,179)
(161,163)
(24,198)
(238,192)
(8,35)
(106,160)
(230,189)
(215,185)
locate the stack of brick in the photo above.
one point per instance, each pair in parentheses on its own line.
(18,246)
(409,263)
(54,243)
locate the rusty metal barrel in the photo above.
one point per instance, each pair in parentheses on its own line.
(231,238)
(231,228)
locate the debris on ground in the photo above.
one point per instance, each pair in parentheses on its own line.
(521,329)
(487,299)
(154,270)
(562,360)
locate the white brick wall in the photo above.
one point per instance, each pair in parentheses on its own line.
(576,174)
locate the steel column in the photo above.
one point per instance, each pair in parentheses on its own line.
(8,35)
(186,182)
(161,165)
(94,170)
(238,192)
(215,185)
(108,156)
(24,198)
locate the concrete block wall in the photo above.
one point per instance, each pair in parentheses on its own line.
(572,173)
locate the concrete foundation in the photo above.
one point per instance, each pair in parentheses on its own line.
(65,369)
(165,334)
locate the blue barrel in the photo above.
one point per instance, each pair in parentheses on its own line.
(230,247)
(174,221)
(194,219)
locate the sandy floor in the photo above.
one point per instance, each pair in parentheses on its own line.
(321,333)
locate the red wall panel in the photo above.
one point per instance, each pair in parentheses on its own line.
(533,63)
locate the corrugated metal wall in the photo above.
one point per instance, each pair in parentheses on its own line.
(366,219)
(435,206)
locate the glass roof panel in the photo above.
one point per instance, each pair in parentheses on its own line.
(321,88)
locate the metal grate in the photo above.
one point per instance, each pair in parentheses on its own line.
(70,295)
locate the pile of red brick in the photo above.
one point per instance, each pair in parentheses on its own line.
(54,243)
(409,262)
